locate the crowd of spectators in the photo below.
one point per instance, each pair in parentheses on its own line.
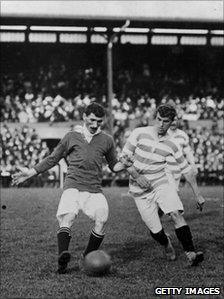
(208,148)
(59,93)
(21,147)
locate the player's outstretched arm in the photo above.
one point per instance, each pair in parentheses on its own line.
(118,167)
(190,177)
(23,175)
(142,181)
(188,173)
(190,158)
(124,162)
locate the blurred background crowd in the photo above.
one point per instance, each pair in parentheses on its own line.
(57,92)
(21,147)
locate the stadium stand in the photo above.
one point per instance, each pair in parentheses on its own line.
(54,90)
(54,94)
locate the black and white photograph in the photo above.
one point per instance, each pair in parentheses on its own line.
(112,142)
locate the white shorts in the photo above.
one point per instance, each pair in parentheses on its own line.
(165,197)
(94,205)
(177,182)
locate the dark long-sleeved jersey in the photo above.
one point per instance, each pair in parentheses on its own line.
(84,160)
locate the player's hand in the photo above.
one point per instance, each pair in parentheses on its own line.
(23,175)
(126,160)
(200,202)
(143,182)
(194,170)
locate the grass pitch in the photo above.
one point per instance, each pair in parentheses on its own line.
(29,248)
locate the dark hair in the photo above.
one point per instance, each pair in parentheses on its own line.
(96,109)
(167,110)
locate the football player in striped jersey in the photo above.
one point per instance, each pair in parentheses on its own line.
(150,148)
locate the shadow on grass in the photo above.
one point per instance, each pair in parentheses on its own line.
(74,269)
(130,251)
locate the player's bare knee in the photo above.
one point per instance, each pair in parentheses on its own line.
(66,220)
(101,217)
(99,227)
(177,218)
(175,215)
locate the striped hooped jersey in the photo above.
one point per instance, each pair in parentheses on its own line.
(150,155)
(182,139)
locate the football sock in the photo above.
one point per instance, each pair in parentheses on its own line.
(94,242)
(160,237)
(64,236)
(184,236)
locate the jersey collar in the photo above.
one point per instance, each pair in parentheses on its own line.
(87,135)
(161,138)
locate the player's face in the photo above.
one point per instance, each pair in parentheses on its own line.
(92,122)
(162,124)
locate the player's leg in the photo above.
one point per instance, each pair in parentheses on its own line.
(169,201)
(148,210)
(184,235)
(96,208)
(67,211)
